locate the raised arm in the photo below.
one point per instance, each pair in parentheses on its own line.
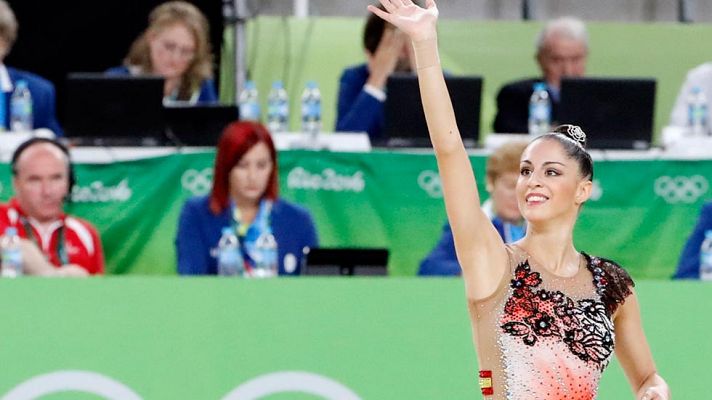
(480,249)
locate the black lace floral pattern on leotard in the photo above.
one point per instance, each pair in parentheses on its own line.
(585,326)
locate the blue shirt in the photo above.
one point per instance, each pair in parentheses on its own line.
(199,231)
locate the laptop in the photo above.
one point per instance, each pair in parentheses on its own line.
(403,110)
(113,110)
(615,113)
(198,125)
(345,262)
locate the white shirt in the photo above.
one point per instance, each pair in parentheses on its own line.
(5,82)
(699,76)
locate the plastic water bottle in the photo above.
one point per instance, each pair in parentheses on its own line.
(539,110)
(21,108)
(706,257)
(265,256)
(311,110)
(697,113)
(249,102)
(277,108)
(11,253)
(230,261)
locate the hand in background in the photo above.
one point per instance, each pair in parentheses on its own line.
(382,63)
(70,270)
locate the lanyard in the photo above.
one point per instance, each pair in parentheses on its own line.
(61,250)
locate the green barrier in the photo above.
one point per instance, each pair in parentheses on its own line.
(640,214)
(298,50)
(201,338)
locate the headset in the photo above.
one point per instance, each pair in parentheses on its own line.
(31,142)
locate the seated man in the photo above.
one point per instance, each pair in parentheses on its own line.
(689,265)
(361,87)
(502,172)
(562,48)
(42,180)
(42,90)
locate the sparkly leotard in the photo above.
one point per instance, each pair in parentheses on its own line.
(545,337)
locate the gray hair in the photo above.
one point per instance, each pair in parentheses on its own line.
(8,24)
(568,27)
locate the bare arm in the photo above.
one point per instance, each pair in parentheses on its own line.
(634,354)
(34,263)
(480,249)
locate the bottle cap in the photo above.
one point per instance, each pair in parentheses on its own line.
(539,86)
(10,231)
(708,234)
(277,85)
(312,84)
(227,230)
(250,85)
(20,84)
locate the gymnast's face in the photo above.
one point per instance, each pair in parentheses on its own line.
(550,186)
(250,176)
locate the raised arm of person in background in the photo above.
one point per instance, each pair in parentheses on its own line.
(479,247)
(34,263)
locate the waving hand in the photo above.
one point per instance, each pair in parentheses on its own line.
(417,22)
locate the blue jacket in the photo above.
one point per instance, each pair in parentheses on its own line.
(199,232)
(358,111)
(43,100)
(207,87)
(442,260)
(689,265)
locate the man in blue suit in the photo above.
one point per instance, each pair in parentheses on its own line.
(362,87)
(689,265)
(42,90)
(561,51)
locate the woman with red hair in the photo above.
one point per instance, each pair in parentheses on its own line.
(245,197)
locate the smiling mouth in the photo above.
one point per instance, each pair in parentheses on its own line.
(535,199)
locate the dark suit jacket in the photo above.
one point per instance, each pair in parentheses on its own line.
(358,111)
(43,100)
(513,107)
(689,265)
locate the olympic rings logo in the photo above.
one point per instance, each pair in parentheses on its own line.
(430,182)
(197,182)
(257,388)
(681,189)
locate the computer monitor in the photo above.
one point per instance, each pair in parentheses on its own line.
(114,107)
(345,261)
(198,125)
(403,110)
(615,113)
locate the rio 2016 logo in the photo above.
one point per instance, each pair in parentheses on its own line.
(265,385)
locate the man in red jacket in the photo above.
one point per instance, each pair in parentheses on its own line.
(42,180)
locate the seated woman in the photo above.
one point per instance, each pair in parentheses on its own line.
(175,46)
(502,172)
(244,196)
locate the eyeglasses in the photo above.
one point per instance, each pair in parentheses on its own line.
(185,53)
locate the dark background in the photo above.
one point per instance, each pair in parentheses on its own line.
(58,37)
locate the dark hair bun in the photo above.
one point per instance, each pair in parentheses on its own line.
(572,132)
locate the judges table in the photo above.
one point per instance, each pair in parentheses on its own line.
(643,207)
(331,338)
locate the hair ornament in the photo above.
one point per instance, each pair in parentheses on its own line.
(573,133)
